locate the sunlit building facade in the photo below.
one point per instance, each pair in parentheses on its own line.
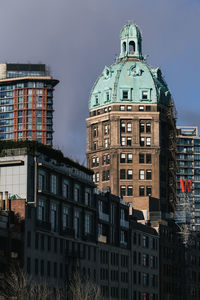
(26,103)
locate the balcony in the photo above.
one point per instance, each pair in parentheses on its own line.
(124,223)
(67,232)
(103,216)
(42,225)
(102,239)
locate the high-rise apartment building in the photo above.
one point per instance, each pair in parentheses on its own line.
(188,160)
(26,102)
(131,129)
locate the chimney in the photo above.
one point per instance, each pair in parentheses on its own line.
(6,201)
(1,200)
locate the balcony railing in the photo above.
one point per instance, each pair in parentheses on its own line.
(124,223)
(67,232)
(43,225)
(103,216)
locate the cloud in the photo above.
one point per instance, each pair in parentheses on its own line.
(78,38)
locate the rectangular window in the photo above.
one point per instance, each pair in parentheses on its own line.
(122,174)
(142,141)
(129,174)
(40,182)
(36,266)
(122,107)
(106,129)
(54,216)
(149,190)
(124,95)
(130,190)
(148,158)
(123,141)
(97,177)
(87,197)
(148,174)
(141,158)
(148,141)
(148,108)
(129,141)
(141,174)
(96,100)
(123,127)
(129,158)
(122,158)
(123,190)
(95,146)
(106,142)
(53,184)
(76,194)
(141,108)
(66,223)
(95,131)
(88,223)
(41,210)
(65,189)
(144,95)
(148,127)
(129,107)
(141,127)
(129,127)
(141,190)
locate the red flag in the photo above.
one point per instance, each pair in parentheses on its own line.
(185,185)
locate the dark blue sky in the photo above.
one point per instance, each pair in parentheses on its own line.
(77,38)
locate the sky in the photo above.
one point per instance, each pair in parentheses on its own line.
(77,38)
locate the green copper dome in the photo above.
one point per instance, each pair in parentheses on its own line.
(130,79)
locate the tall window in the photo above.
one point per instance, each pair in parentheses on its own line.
(141,158)
(129,127)
(141,190)
(148,143)
(141,127)
(141,174)
(148,174)
(65,189)
(129,174)
(123,141)
(130,190)
(122,158)
(142,141)
(106,129)
(53,184)
(54,216)
(129,141)
(148,127)
(41,210)
(87,197)
(129,158)
(77,223)
(66,222)
(88,223)
(40,182)
(123,127)
(122,174)
(76,193)
(149,190)
(123,190)
(95,131)
(106,141)
(148,158)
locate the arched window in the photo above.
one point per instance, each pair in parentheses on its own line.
(131,47)
(124,46)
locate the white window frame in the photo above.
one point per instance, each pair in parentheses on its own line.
(141,174)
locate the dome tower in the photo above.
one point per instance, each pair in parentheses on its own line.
(131,41)
(131,129)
